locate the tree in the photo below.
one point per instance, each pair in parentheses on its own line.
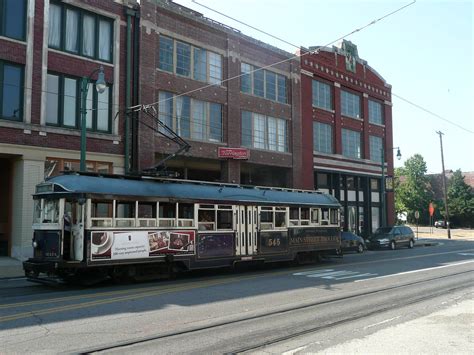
(413,191)
(460,201)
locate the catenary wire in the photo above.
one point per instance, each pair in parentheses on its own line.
(296,46)
(140,106)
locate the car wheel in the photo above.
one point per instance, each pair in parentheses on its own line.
(411,244)
(360,248)
(392,245)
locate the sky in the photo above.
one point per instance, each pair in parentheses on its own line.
(424,51)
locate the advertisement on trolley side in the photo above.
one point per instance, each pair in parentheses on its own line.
(117,245)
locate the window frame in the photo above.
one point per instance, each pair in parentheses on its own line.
(251,142)
(20,89)
(345,148)
(316,85)
(209,76)
(209,109)
(251,70)
(3,21)
(95,104)
(373,118)
(80,32)
(348,102)
(317,132)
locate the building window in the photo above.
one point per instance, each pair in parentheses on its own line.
(54,166)
(375,112)
(264,132)
(322,95)
(322,137)
(13,19)
(62,104)
(375,148)
(11,91)
(351,143)
(190,118)
(186,60)
(350,104)
(263,83)
(80,32)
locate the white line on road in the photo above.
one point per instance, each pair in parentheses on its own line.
(420,270)
(356,276)
(311,272)
(294,351)
(382,322)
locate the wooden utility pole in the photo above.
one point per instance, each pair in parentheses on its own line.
(444,186)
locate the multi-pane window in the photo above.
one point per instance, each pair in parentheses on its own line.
(186,60)
(80,32)
(375,112)
(63,100)
(375,148)
(11,91)
(350,104)
(13,19)
(322,137)
(263,83)
(264,132)
(322,95)
(351,143)
(190,118)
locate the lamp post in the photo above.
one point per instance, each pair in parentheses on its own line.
(382,197)
(100,86)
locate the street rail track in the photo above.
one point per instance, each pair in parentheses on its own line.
(296,334)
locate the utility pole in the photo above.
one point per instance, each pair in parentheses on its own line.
(444,185)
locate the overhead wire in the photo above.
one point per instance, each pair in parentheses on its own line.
(373,22)
(309,52)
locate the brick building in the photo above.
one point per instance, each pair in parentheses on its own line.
(190,66)
(46,46)
(347,119)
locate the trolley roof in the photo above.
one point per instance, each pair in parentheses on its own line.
(182,190)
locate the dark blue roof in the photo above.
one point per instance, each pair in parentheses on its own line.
(76,183)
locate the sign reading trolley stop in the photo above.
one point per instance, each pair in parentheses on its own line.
(233,153)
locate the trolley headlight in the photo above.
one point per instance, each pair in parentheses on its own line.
(35,244)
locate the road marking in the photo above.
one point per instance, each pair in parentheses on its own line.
(356,276)
(382,322)
(467,254)
(419,270)
(331,274)
(294,351)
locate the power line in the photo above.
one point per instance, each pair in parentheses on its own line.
(139,107)
(433,114)
(356,30)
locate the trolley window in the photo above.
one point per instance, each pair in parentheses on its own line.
(51,211)
(146,213)
(185,214)
(334,216)
(325,216)
(125,214)
(167,214)
(101,213)
(273,218)
(206,217)
(315,216)
(224,217)
(299,216)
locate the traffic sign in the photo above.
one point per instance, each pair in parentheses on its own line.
(431,209)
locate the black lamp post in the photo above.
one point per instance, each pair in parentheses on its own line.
(382,197)
(100,86)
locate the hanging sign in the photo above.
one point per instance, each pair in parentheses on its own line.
(233,153)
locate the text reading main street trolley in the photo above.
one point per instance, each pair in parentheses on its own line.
(99,227)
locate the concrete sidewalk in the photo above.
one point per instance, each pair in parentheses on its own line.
(10,268)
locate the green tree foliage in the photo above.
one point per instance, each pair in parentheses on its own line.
(413,190)
(460,201)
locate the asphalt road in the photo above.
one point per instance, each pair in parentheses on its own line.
(276,310)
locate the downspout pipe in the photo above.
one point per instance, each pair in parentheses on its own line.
(128,76)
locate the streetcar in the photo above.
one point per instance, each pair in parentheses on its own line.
(93,227)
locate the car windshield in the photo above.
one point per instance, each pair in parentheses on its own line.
(381,232)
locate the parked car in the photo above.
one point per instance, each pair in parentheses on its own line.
(352,242)
(391,237)
(442,224)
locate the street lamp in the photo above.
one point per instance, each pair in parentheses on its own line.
(399,156)
(100,86)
